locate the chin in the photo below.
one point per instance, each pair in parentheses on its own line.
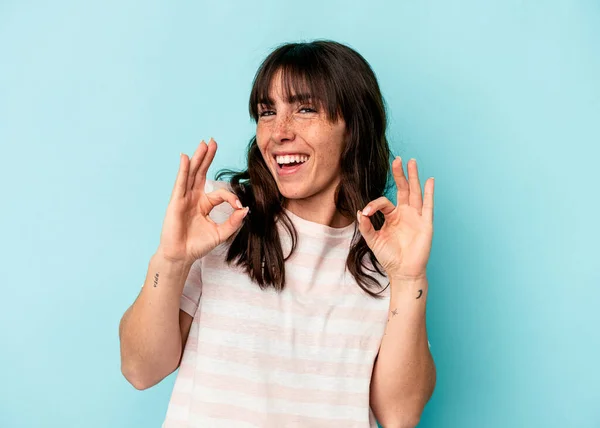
(292,192)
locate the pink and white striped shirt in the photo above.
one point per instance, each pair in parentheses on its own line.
(299,358)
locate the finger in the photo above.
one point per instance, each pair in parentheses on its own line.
(233,223)
(195,163)
(401,182)
(415,198)
(200,178)
(227,228)
(182,174)
(219,196)
(366,227)
(382,204)
(428,201)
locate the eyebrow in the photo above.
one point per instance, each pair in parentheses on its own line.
(299,98)
(293,99)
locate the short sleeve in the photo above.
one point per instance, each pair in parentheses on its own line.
(192,290)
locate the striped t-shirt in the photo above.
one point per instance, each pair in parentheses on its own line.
(299,358)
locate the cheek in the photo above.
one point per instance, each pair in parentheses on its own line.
(261,138)
(333,144)
(259,133)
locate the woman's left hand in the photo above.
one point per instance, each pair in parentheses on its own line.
(402,245)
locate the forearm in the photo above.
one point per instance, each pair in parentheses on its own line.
(149,330)
(404,373)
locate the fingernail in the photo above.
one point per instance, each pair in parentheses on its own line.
(239,204)
(358,215)
(366,211)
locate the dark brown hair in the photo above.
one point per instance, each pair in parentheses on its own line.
(342,82)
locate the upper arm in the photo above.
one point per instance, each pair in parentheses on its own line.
(185,324)
(188,303)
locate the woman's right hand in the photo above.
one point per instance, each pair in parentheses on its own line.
(188,233)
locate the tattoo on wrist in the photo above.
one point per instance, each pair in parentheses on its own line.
(420,294)
(156,279)
(395,312)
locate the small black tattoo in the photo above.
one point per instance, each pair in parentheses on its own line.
(395,312)
(420,294)
(156,279)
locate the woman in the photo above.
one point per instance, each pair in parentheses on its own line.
(294,294)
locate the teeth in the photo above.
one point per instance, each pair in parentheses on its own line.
(291,158)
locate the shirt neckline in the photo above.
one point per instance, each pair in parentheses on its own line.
(314,228)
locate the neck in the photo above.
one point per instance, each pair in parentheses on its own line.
(318,211)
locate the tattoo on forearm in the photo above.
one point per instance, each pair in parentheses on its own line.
(420,294)
(394,313)
(156,279)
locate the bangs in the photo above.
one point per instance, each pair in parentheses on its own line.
(304,77)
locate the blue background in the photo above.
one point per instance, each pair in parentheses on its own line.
(498,100)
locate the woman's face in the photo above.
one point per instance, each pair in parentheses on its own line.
(299,144)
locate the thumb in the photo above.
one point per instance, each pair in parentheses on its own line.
(366,227)
(233,223)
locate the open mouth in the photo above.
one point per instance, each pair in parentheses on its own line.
(289,164)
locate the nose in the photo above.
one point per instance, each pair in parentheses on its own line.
(283,129)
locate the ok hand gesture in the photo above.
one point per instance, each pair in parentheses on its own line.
(188,233)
